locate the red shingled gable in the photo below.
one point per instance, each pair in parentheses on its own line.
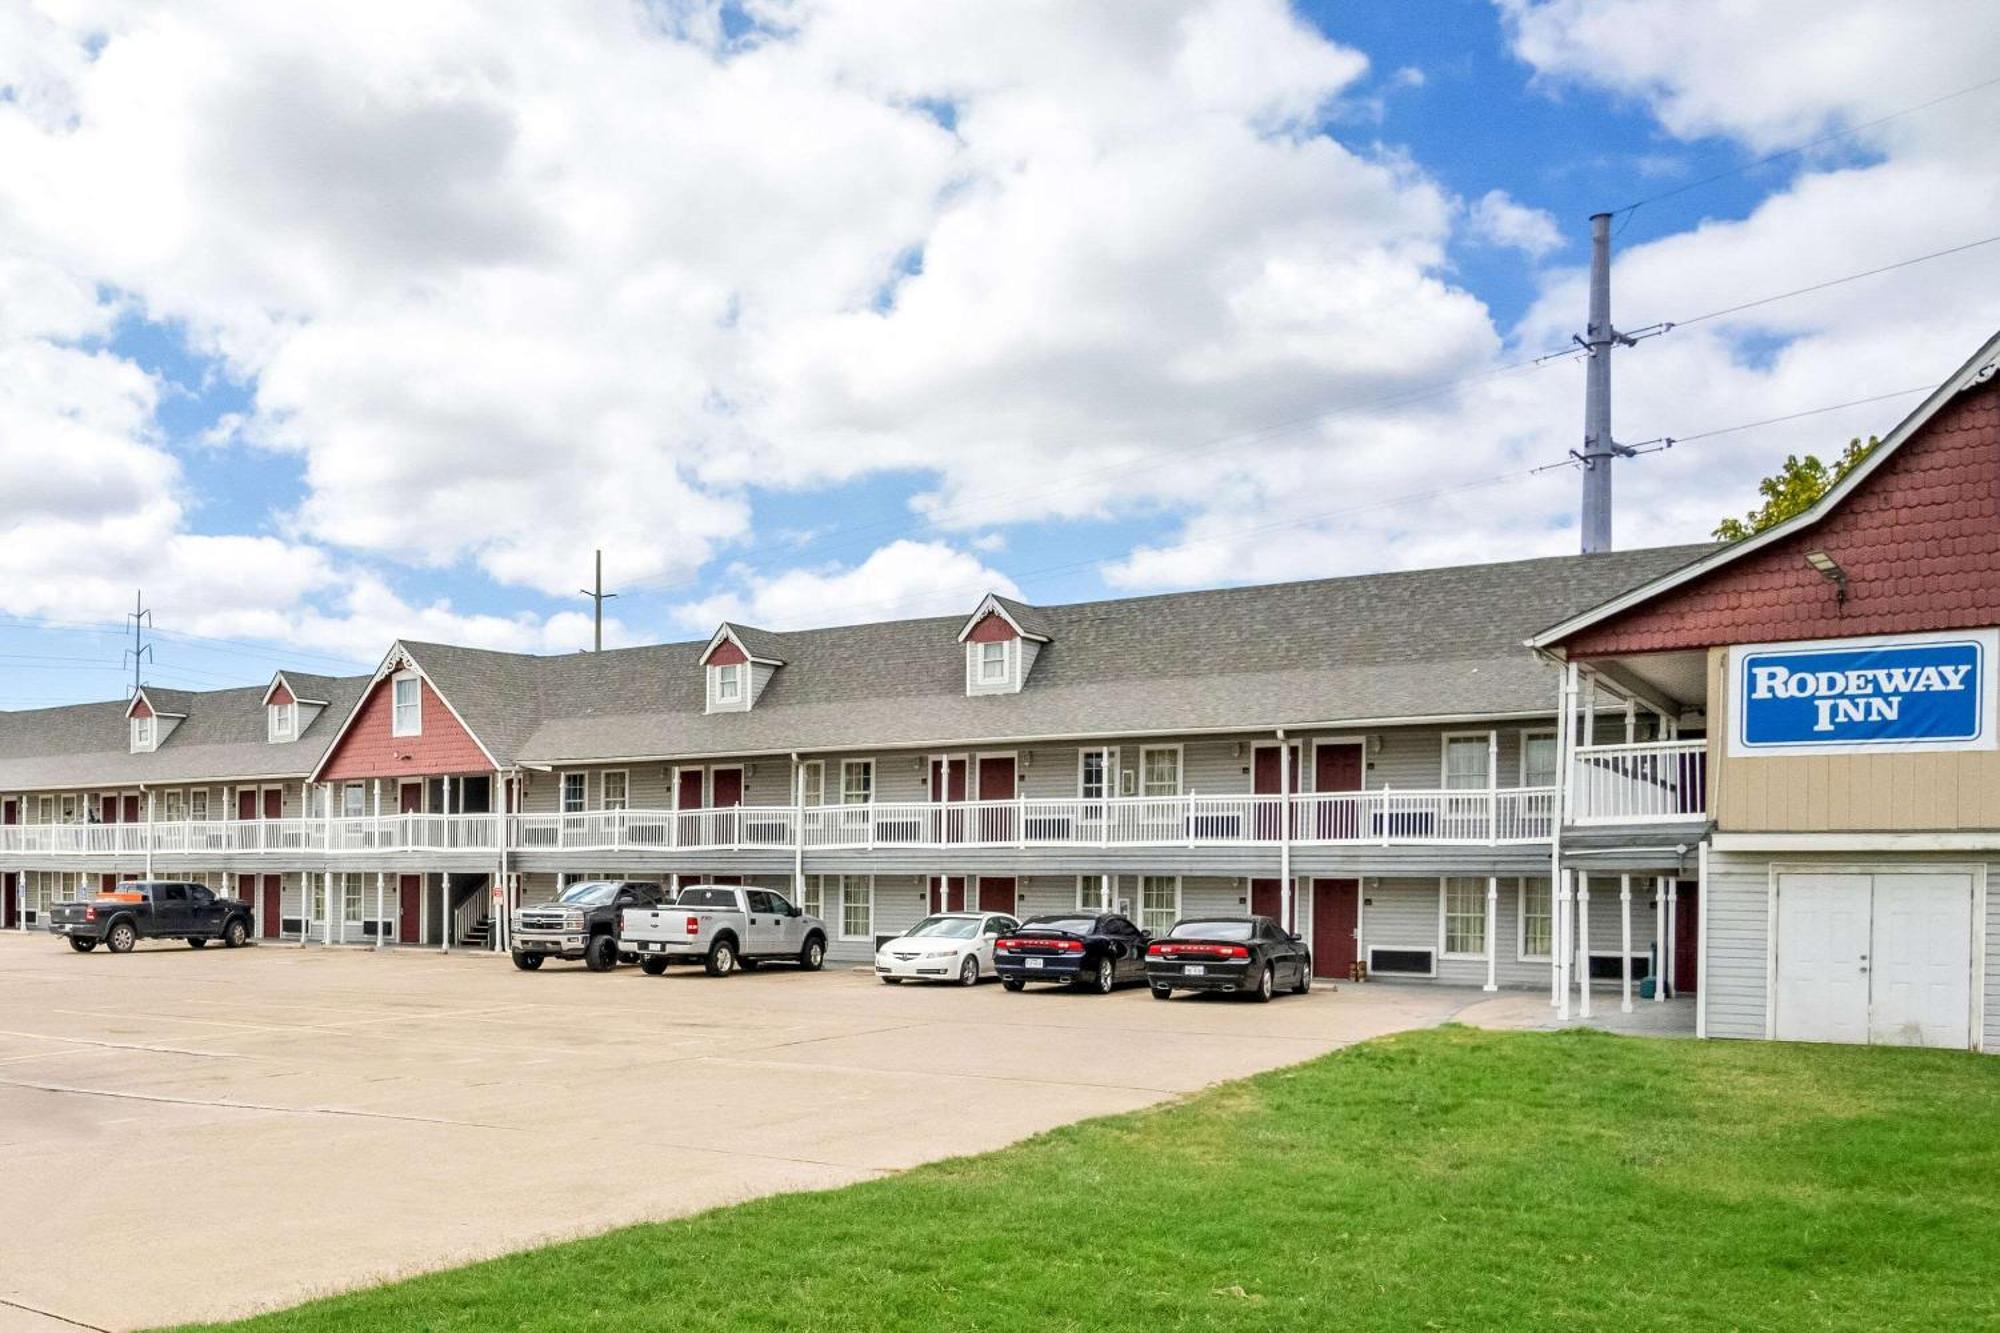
(368,750)
(140,708)
(993,629)
(280,695)
(1919,540)
(726,653)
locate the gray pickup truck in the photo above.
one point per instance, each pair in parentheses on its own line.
(582,923)
(152,910)
(724,927)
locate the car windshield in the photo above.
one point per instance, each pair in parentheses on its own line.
(590,894)
(1068,925)
(947,927)
(1213,930)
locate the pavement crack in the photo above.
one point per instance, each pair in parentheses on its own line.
(51,1314)
(163,1099)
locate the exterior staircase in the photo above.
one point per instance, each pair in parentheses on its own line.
(479,935)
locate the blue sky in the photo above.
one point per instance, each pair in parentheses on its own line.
(283,411)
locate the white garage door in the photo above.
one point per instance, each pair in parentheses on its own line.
(1883,958)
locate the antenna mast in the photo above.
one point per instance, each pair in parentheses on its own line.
(140,618)
(1598,340)
(598,597)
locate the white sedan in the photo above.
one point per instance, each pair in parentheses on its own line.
(951,946)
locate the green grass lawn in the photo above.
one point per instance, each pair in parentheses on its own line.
(1446,1179)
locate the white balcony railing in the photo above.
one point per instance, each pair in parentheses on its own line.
(1383,818)
(1653,782)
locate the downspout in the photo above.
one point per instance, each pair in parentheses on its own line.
(150,833)
(1284,831)
(798,830)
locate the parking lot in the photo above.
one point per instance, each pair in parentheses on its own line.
(197,1134)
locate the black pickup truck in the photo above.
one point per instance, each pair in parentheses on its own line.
(153,910)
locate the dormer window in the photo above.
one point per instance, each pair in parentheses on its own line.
(281,723)
(737,665)
(408,706)
(992,664)
(1002,640)
(729,683)
(145,733)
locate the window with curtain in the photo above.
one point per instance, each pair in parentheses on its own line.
(812,897)
(1464,915)
(1465,762)
(408,706)
(574,789)
(857,907)
(857,781)
(1159,903)
(1538,759)
(1160,771)
(1537,918)
(812,780)
(614,790)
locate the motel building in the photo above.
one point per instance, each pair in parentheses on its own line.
(1760,778)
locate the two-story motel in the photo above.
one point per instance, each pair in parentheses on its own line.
(1372,759)
(1765,774)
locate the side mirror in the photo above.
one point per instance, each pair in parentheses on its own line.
(1296,938)
(795,910)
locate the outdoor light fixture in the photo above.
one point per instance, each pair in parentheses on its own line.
(1830,569)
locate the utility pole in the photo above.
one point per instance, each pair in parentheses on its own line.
(1599,449)
(598,597)
(141,620)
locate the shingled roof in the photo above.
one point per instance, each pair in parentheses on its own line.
(223,738)
(1438,643)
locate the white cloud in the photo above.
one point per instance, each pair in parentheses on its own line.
(1498,219)
(902,579)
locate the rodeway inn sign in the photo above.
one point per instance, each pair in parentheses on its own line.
(1906,693)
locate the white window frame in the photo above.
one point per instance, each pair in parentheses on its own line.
(1521,953)
(397,726)
(1143,909)
(197,796)
(624,797)
(1444,919)
(354,794)
(1521,767)
(45,809)
(281,722)
(847,882)
(145,734)
(859,766)
(812,895)
(1110,769)
(729,682)
(1180,768)
(812,783)
(171,802)
(1487,738)
(583,794)
(1105,893)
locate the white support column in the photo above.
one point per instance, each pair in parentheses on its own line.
(1625,943)
(1659,940)
(502,898)
(1492,933)
(1673,901)
(1559,946)
(1582,951)
(799,830)
(381,886)
(151,835)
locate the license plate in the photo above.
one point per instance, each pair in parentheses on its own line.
(1034,962)
(1194,970)
(645,947)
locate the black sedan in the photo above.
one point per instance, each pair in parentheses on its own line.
(1250,955)
(1091,951)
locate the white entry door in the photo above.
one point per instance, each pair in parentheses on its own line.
(1883,958)
(1922,991)
(1823,957)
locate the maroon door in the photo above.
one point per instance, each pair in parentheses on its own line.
(948,784)
(10,813)
(274,905)
(246,803)
(1264,897)
(996,783)
(107,810)
(687,795)
(996,895)
(274,803)
(947,893)
(1336,913)
(410,798)
(727,789)
(132,809)
(410,893)
(107,883)
(1267,779)
(1336,768)
(1687,940)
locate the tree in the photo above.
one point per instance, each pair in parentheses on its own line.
(1794,488)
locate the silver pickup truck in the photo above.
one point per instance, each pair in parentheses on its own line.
(724,927)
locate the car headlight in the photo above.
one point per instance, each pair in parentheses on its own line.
(941,953)
(573,921)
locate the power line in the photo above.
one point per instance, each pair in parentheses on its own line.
(1807,146)
(1831,282)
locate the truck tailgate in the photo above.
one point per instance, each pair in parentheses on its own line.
(665,925)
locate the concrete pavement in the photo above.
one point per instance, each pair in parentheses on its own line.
(246,1129)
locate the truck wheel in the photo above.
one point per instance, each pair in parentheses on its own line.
(653,967)
(721,960)
(813,957)
(601,954)
(197,942)
(121,937)
(527,962)
(236,934)
(1013,983)
(81,945)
